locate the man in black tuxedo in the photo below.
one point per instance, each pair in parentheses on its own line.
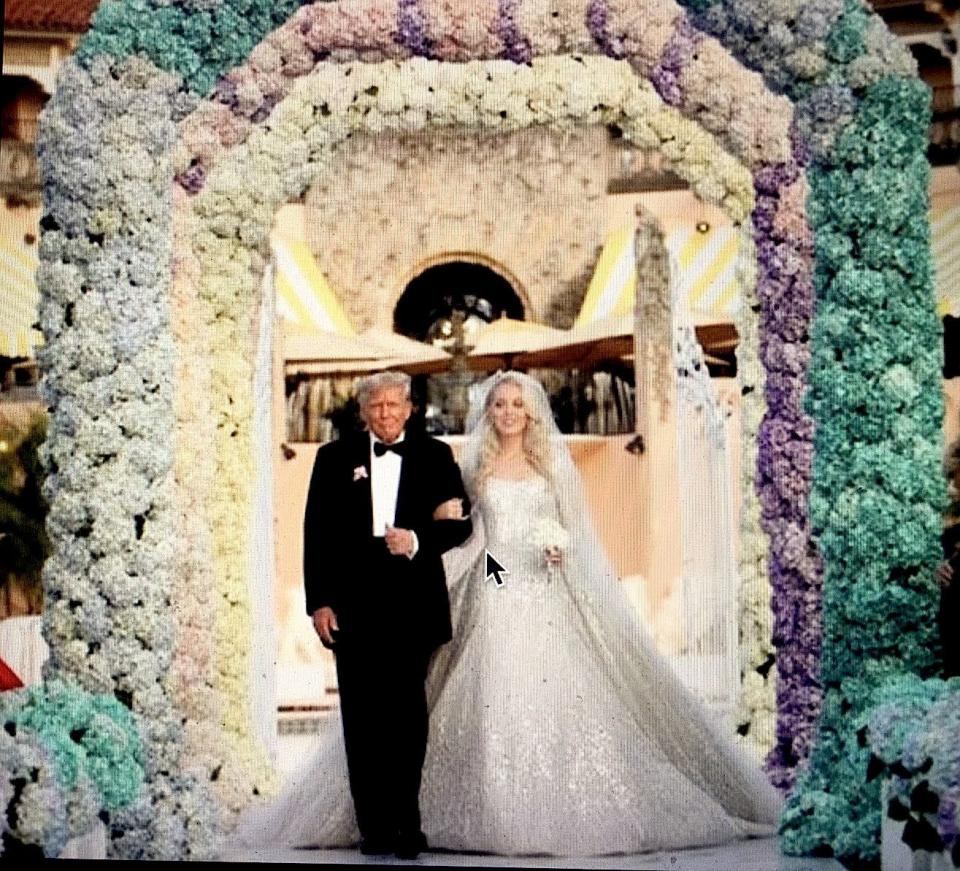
(382,508)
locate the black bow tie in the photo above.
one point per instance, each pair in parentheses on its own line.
(380,448)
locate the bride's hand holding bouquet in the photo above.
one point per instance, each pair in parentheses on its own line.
(552,540)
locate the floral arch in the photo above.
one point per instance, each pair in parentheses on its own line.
(180,127)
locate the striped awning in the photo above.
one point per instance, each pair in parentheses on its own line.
(945,234)
(303,295)
(19,299)
(704,265)
(706,270)
(613,286)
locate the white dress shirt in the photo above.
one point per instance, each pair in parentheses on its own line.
(384,486)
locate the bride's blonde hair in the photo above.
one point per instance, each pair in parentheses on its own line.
(536,438)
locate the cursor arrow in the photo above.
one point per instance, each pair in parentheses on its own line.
(494,569)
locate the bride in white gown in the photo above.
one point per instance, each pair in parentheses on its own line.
(555,726)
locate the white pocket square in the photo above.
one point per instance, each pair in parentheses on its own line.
(359,473)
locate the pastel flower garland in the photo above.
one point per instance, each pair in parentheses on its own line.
(785,454)
(858,105)
(107,382)
(756,705)
(753,125)
(194,666)
(832,49)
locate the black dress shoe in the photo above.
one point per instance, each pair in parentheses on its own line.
(410,845)
(377,846)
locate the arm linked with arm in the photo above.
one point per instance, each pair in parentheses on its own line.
(439,536)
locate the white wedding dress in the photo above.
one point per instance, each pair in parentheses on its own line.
(555,727)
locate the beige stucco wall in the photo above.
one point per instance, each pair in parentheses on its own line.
(530,205)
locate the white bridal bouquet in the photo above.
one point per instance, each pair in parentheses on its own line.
(548,536)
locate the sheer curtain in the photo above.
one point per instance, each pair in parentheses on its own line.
(263,667)
(709,574)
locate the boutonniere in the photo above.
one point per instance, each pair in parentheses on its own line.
(359,473)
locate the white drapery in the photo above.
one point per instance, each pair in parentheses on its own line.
(263,666)
(709,564)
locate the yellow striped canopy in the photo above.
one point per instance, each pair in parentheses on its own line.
(303,295)
(613,286)
(18,299)
(705,270)
(945,232)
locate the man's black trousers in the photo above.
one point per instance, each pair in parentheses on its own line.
(381,672)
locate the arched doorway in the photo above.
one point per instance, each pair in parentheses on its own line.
(445,305)
(428,303)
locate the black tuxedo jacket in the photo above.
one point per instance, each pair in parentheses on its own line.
(350,571)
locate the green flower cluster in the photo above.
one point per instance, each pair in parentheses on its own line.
(197,44)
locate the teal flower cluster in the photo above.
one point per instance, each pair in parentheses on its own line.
(199,44)
(68,757)
(878,495)
(860,124)
(92,736)
(802,49)
(844,42)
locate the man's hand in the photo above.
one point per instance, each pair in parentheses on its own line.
(945,574)
(399,541)
(452,509)
(325,622)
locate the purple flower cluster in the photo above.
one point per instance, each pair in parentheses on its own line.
(192,179)
(785,458)
(412,29)
(599,25)
(516,45)
(676,55)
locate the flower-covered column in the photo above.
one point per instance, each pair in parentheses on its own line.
(107,365)
(878,495)
(875,392)
(756,715)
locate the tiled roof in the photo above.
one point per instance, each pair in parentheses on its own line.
(72,16)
